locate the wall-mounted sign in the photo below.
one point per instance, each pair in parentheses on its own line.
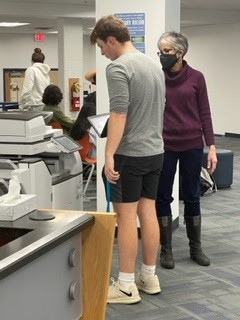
(136,26)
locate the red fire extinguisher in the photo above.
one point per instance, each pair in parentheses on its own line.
(75,96)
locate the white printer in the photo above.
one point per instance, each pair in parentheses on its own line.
(46,161)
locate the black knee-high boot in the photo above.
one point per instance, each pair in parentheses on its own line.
(193,227)
(166,256)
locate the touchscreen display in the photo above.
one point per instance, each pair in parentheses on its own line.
(67,143)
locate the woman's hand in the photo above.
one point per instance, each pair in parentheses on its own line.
(211,159)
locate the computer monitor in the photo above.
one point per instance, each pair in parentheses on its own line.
(99,124)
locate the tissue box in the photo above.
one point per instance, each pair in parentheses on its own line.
(17,208)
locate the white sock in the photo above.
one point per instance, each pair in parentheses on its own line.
(126,279)
(147,271)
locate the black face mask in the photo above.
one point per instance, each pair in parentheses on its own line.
(168,61)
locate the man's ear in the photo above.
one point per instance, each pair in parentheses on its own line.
(112,40)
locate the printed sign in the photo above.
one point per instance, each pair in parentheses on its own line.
(136,26)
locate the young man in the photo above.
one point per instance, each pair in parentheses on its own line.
(133,154)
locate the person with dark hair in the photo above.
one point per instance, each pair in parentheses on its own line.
(133,155)
(82,126)
(35,81)
(51,98)
(187,127)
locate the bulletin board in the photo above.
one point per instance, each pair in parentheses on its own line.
(13,82)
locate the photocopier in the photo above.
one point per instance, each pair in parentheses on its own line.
(46,161)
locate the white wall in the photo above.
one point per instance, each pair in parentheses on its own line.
(16,51)
(215,50)
(89,59)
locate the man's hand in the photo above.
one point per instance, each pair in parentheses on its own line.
(109,171)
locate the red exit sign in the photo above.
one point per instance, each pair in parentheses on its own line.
(39,36)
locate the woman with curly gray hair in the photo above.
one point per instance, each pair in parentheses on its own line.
(187,128)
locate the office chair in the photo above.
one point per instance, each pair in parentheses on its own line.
(90,163)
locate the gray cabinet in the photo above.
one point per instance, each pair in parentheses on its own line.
(49,287)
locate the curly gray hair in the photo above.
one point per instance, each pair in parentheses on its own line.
(178,40)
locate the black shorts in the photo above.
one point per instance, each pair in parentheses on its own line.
(138,178)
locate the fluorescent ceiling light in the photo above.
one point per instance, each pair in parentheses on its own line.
(12,24)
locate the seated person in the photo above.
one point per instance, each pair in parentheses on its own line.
(83,126)
(52,97)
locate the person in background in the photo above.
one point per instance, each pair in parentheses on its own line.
(52,97)
(133,155)
(35,81)
(82,126)
(187,121)
(91,77)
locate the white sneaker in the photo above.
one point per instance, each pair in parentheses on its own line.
(150,286)
(118,294)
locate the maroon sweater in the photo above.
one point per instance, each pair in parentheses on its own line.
(187,115)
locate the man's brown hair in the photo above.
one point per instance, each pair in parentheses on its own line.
(110,26)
